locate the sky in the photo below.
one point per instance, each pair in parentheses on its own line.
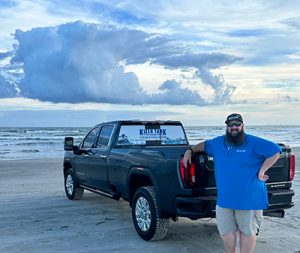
(79,63)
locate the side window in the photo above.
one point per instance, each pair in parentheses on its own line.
(90,139)
(104,136)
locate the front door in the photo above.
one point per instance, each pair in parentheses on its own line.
(99,160)
(83,162)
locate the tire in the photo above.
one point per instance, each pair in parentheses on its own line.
(73,191)
(146,217)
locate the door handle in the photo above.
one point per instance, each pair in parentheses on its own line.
(103,156)
(88,153)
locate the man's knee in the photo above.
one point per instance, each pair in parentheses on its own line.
(247,238)
(230,235)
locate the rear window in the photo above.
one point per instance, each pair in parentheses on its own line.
(151,135)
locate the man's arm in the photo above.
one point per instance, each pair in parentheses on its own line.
(188,154)
(267,164)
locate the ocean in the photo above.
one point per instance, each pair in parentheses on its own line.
(32,143)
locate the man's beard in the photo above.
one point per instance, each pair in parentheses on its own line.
(237,139)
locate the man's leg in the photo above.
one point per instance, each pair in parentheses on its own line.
(247,243)
(227,227)
(249,222)
(229,241)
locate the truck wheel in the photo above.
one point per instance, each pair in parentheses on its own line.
(73,191)
(145,215)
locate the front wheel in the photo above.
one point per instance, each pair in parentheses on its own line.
(73,191)
(145,215)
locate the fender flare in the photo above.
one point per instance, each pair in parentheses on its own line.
(143,171)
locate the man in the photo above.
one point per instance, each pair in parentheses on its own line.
(241,161)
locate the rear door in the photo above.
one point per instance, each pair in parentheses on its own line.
(91,164)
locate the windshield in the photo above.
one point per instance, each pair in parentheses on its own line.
(151,135)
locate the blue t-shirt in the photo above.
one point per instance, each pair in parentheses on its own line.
(236,171)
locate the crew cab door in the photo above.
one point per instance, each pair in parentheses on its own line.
(99,160)
(82,160)
(91,164)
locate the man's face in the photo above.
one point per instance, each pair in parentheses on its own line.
(235,128)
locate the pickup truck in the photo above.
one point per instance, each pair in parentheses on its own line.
(141,162)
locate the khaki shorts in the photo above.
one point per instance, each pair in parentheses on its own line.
(246,221)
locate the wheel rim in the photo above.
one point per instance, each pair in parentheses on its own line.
(143,214)
(69,184)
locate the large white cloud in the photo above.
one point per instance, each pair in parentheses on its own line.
(82,62)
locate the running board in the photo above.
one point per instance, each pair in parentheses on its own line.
(112,195)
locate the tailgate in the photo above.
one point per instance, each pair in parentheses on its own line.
(279,173)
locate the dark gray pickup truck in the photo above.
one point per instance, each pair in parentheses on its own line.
(141,162)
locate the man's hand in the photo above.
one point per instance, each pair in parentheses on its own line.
(266,165)
(187,158)
(262,176)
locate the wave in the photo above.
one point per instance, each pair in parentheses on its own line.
(30,151)
(38,143)
(4,152)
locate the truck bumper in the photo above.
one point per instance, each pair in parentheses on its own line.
(204,206)
(278,201)
(195,207)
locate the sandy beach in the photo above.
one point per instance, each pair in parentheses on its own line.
(36,216)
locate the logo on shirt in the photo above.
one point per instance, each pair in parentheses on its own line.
(241,150)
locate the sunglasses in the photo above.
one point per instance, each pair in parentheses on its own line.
(237,124)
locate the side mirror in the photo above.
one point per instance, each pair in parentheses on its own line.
(69,143)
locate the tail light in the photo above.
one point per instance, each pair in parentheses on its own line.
(188,175)
(292,166)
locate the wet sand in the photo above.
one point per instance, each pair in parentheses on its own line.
(36,216)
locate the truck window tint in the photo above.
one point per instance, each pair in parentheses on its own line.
(104,136)
(90,139)
(151,135)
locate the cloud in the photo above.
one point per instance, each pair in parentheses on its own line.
(4,55)
(248,33)
(174,94)
(202,63)
(82,62)
(198,61)
(7,89)
(283,84)
(289,99)
(222,90)
(293,22)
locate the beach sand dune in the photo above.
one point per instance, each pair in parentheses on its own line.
(36,216)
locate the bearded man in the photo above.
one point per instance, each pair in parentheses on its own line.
(240,162)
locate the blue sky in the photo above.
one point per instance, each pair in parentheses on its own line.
(77,63)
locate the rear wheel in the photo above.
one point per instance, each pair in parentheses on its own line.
(73,191)
(146,217)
